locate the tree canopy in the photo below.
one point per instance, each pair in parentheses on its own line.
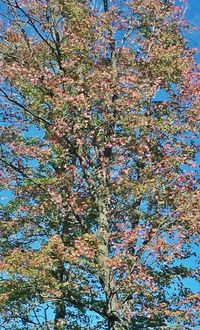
(99,106)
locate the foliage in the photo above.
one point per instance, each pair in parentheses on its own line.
(104,211)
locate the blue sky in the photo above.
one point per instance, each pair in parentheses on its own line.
(193,15)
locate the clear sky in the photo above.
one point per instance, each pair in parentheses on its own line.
(193,15)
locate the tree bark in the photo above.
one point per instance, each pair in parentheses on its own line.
(106,275)
(60,312)
(59,322)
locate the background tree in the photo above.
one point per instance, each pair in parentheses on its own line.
(104,203)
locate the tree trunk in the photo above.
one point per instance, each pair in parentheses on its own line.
(113,316)
(59,322)
(60,312)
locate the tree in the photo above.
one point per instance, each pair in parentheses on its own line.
(104,204)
